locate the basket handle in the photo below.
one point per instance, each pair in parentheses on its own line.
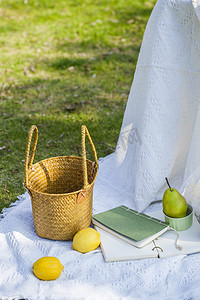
(29,161)
(85,132)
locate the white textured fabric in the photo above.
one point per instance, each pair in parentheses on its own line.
(160,131)
(196,4)
(86,276)
(159,138)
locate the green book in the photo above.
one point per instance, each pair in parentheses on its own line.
(131,226)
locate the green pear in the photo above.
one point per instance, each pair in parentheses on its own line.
(174,204)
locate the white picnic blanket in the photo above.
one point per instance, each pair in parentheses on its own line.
(85,276)
(159,138)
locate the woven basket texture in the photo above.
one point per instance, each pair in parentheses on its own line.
(56,186)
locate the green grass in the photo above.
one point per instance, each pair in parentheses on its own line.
(64,64)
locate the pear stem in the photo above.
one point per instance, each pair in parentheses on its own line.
(168,184)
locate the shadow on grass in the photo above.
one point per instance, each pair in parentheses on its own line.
(113,55)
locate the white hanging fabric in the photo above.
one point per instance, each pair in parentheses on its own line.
(196,4)
(160,133)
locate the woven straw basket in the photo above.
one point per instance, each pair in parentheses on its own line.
(61,190)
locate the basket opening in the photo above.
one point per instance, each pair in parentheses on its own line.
(59,175)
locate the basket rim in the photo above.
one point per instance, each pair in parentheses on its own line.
(61,156)
(70,156)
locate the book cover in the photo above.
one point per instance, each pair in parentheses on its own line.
(133,227)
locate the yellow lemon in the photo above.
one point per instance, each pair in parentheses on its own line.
(47,268)
(86,240)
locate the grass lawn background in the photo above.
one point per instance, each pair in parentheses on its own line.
(63,64)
